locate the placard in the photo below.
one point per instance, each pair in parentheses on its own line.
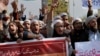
(46,47)
(88,48)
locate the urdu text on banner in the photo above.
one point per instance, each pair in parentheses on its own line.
(88,48)
(46,47)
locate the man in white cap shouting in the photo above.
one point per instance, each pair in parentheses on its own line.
(93,32)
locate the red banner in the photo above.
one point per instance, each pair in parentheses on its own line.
(46,47)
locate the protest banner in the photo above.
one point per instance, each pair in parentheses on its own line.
(95,3)
(88,48)
(45,47)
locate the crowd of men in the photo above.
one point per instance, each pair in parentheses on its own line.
(15,27)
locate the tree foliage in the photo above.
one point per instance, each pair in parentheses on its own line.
(62,6)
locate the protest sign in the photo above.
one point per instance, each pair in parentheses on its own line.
(88,48)
(46,47)
(95,3)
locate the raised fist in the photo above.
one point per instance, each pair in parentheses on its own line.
(54,3)
(14,5)
(5,2)
(22,7)
(44,10)
(90,3)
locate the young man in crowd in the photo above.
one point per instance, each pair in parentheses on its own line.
(34,33)
(78,34)
(13,31)
(27,24)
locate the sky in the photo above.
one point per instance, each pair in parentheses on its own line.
(77,10)
(32,6)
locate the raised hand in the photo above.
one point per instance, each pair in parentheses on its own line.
(44,10)
(22,8)
(89,0)
(14,5)
(54,4)
(89,3)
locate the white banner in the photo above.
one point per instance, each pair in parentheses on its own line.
(95,3)
(88,48)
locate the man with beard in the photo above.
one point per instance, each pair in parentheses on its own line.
(78,34)
(91,23)
(34,33)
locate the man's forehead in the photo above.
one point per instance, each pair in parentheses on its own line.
(93,20)
(36,22)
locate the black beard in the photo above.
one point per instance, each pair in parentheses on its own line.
(78,30)
(93,29)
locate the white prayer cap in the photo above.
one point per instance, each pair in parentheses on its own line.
(77,19)
(27,21)
(21,22)
(89,19)
(55,22)
(64,14)
(41,22)
(34,20)
(57,17)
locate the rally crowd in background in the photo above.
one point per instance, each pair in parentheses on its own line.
(16,27)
